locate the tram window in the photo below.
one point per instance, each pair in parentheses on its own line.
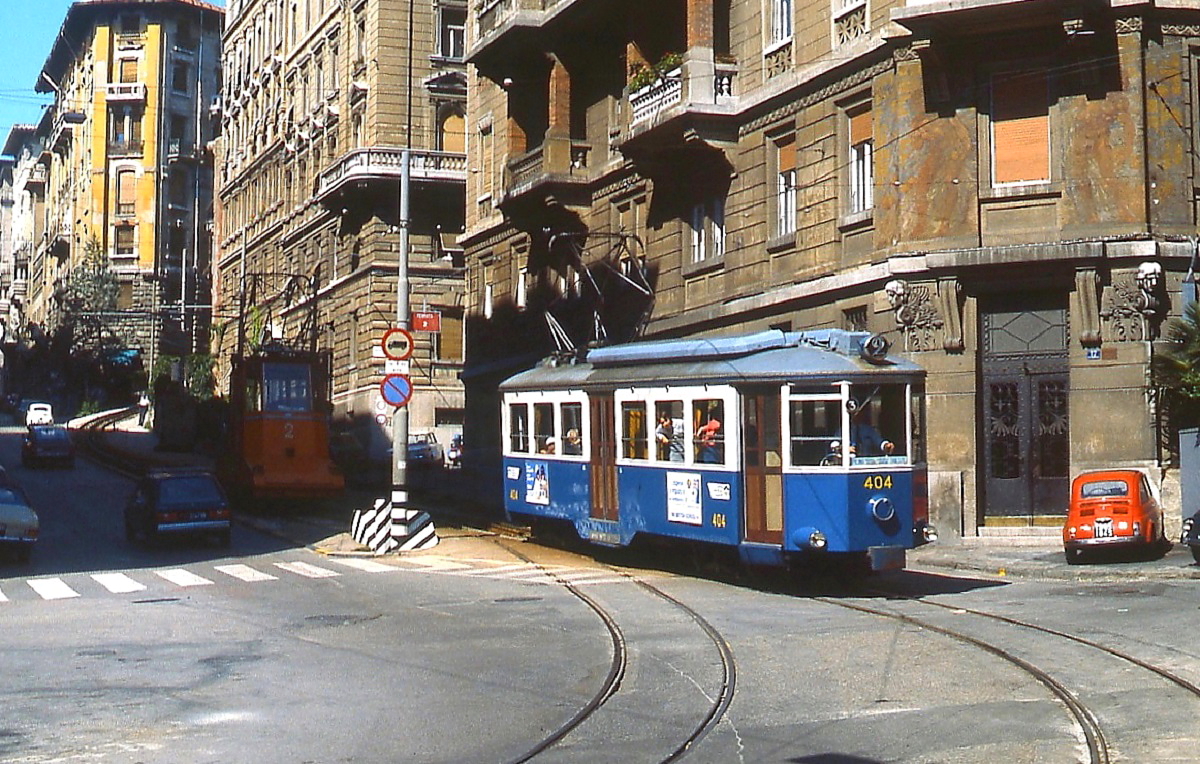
(572,424)
(543,427)
(286,387)
(518,424)
(633,431)
(708,416)
(878,430)
(815,426)
(668,431)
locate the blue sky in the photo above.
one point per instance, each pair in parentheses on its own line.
(27,30)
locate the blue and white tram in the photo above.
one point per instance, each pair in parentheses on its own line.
(785,445)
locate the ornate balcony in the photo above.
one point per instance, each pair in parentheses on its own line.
(384,164)
(694,102)
(127,92)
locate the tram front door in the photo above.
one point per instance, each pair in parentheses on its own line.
(604,459)
(763,462)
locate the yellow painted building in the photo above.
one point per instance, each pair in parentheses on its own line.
(129,169)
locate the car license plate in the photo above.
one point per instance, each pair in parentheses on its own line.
(1104,530)
(199,515)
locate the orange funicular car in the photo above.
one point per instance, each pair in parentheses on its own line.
(1111,508)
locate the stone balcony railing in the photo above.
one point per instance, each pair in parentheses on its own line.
(667,94)
(126,91)
(385,163)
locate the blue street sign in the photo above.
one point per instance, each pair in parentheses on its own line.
(396,389)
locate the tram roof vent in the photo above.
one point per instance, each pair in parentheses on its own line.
(700,349)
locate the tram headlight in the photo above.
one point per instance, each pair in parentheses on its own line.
(809,538)
(882,508)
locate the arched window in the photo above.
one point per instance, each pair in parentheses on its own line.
(452,135)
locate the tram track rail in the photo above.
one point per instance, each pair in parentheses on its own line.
(1097,741)
(719,701)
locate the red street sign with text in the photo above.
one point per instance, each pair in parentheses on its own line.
(427,321)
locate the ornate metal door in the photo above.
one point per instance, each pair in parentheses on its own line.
(1025,427)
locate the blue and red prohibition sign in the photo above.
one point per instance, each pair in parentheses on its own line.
(396,390)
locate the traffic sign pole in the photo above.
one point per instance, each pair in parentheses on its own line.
(400,416)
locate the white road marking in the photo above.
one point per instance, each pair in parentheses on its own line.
(246,573)
(181,577)
(436,563)
(304,569)
(52,588)
(3,598)
(367,566)
(118,583)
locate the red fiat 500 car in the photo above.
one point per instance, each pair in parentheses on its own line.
(1111,508)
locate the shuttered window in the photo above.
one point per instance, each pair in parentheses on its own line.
(1020,128)
(861,164)
(785,186)
(126,192)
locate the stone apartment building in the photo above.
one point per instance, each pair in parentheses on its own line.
(119,165)
(320,99)
(1005,189)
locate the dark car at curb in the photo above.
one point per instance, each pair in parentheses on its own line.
(47,444)
(1191,535)
(178,504)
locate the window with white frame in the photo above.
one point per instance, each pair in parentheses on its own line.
(785,186)
(862,173)
(781,21)
(452,32)
(707,226)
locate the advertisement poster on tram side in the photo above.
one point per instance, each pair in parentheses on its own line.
(683,498)
(537,483)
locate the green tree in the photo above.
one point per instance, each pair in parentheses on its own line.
(1176,367)
(87,304)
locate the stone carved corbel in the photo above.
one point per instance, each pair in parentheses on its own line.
(950,306)
(915,315)
(1152,300)
(1087,295)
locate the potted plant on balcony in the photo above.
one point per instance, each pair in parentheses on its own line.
(642,76)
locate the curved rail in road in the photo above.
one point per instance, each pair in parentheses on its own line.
(720,699)
(1097,740)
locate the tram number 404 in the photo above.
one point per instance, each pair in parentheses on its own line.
(877,482)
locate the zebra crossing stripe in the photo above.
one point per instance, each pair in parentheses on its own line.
(52,588)
(502,570)
(367,566)
(117,583)
(3,598)
(436,563)
(245,573)
(304,569)
(181,577)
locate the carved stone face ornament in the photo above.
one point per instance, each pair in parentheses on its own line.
(1149,280)
(897,293)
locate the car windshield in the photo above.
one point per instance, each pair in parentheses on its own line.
(1101,488)
(191,489)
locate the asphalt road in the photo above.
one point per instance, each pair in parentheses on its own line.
(490,650)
